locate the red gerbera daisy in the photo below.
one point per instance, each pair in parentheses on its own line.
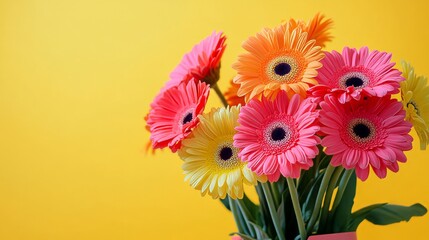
(360,134)
(355,73)
(175,113)
(202,62)
(278,137)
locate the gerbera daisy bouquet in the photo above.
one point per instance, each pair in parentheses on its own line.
(298,123)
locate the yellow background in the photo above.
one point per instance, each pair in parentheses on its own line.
(76,79)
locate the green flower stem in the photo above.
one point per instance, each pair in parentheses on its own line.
(262,206)
(220,94)
(273,211)
(341,188)
(297,208)
(328,197)
(322,189)
(319,159)
(237,216)
(276,194)
(246,215)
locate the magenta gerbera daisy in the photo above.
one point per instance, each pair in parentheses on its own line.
(202,62)
(356,73)
(278,137)
(367,133)
(175,113)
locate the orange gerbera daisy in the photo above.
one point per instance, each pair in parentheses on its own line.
(277,59)
(231,95)
(317,28)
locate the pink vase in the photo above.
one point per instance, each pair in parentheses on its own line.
(335,236)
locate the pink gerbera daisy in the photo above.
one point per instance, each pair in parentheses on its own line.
(202,62)
(355,73)
(278,137)
(359,134)
(175,114)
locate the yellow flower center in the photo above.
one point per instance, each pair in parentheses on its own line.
(282,69)
(225,156)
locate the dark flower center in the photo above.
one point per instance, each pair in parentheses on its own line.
(278,134)
(282,69)
(361,130)
(354,81)
(187,118)
(414,104)
(226,153)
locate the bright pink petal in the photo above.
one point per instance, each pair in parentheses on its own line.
(200,61)
(368,133)
(175,113)
(281,132)
(374,69)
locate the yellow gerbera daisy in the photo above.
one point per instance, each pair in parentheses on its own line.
(277,59)
(415,98)
(211,163)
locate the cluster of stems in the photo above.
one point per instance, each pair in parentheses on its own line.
(333,177)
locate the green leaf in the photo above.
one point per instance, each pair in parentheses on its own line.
(281,214)
(260,234)
(324,222)
(225,203)
(298,237)
(265,218)
(243,236)
(343,212)
(357,217)
(307,177)
(288,221)
(253,208)
(308,204)
(238,217)
(281,184)
(324,163)
(282,210)
(388,214)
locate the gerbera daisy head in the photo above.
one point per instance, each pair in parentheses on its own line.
(231,95)
(317,28)
(211,162)
(355,73)
(277,59)
(278,137)
(415,98)
(202,62)
(148,147)
(175,113)
(367,133)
